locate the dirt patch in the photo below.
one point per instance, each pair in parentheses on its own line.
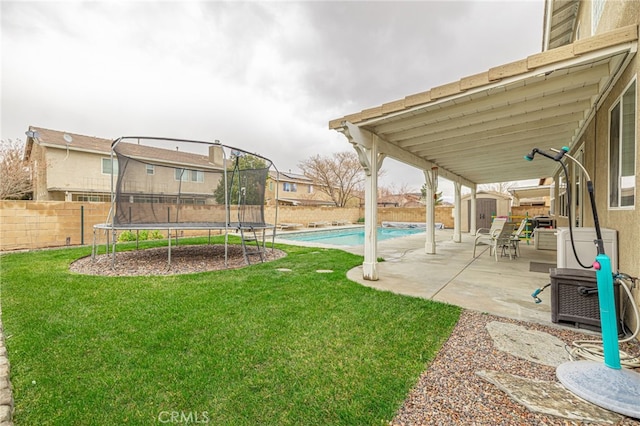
(184,260)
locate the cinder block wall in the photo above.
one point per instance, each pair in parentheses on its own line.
(531,211)
(41,224)
(30,224)
(444,214)
(304,215)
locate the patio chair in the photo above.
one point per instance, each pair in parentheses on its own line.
(487,235)
(504,242)
(516,236)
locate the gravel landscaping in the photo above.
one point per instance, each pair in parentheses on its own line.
(450,392)
(184,260)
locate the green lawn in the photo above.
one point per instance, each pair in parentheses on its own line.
(236,347)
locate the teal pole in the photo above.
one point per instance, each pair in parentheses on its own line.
(608,320)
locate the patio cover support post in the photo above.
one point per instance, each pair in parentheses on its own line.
(472,205)
(457,236)
(430,177)
(366,146)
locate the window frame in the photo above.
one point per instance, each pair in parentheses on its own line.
(619,105)
(289,187)
(188,175)
(109,164)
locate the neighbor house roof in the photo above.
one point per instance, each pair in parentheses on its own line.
(477,129)
(76,142)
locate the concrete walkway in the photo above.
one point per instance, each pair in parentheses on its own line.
(452,275)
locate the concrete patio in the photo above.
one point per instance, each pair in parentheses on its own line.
(453,276)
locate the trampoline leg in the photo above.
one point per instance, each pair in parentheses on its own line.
(169,251)
(93,246)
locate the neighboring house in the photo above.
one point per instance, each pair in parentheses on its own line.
(401,200)
(581,91)
(71,167)
(294,189)
(67,166)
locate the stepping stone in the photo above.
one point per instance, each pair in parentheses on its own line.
(283,270)
(536,346)
(324,271)
(550,398)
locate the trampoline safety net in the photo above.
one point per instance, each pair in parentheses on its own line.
(175,183)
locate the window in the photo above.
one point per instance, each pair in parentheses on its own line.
(189,175)
(310,191)
(577,188)
(289,187)
(596,13)
(106,166)
(622,150)
(562,208)
(94,198)
(151,169)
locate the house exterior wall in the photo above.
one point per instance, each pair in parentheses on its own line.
(626,221)
(304,191)
(79,171)
(39,172)
(615,14)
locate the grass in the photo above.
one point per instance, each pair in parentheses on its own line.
(235,347)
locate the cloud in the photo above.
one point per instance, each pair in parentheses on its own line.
(263,76)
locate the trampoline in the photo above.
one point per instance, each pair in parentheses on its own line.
(173,185)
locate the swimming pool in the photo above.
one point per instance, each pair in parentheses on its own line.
(348,236)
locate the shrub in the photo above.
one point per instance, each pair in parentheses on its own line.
(156,235)
(143,235)
(126,236)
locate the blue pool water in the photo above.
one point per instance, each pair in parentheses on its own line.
(348,236)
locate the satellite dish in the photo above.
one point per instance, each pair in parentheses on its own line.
(67,138)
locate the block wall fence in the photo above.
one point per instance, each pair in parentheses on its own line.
(26,225)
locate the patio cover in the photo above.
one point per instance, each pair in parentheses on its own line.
(476,130)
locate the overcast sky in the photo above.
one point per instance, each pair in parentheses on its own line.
(262,76)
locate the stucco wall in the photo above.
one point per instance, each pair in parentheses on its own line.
(79,170)
(616,14)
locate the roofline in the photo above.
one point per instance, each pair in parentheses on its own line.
(581,51)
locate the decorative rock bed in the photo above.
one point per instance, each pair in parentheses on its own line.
(184,260)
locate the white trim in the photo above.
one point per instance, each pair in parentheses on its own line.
(617,102)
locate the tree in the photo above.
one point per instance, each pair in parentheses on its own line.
(246,172)
(15,176)
(500,187)
(438,195)
(339,176)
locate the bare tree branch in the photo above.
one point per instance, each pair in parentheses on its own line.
(340,176)
(15,176)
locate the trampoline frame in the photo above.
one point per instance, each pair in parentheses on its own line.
(169,227)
